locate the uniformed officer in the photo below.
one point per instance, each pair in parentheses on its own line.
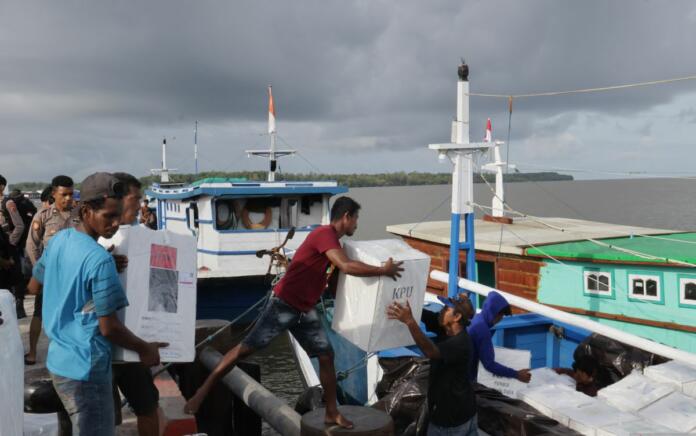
(44,226)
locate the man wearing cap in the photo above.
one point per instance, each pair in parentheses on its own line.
(451,399)
(83,291)
(46,223)
(493,310)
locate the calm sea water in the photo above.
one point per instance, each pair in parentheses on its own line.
(662,203)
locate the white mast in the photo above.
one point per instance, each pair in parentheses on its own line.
(195,148)
(497,167)
(164,171)
(271,153)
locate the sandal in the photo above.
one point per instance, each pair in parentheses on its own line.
(29,362)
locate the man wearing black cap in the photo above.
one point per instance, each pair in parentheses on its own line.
(82,289)
(451,400)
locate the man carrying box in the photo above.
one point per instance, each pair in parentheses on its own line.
(291,307)
(451,399)
(82,293)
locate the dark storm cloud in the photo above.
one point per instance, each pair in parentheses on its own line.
(101,82)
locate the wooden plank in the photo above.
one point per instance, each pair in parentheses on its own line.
(629,319)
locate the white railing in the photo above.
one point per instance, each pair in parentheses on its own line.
(575,320)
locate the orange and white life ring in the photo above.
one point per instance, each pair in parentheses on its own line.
(265,222)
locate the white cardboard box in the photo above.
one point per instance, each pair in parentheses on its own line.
(361,302)
(680,375)
(588,419)
(552,398)
(676,411)
(634,392)
(634,428)
(160,283)
(11,369)
(547,376)
(515,359)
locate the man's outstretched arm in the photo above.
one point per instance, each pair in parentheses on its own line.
(356,268)
(404,314)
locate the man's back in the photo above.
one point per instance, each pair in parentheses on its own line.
(305,279)
(451,398)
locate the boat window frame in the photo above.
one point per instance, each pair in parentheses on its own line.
(645,276)
(587,271)
(682,280)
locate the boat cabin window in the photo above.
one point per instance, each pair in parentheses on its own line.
(259,213)
(687,291)
(644,287)
(597,282)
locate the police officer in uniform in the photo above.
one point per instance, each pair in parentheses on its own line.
(44,226)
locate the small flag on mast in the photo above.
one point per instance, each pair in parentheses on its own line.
(489,134)
(271,112)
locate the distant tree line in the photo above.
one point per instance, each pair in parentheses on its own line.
(350,180)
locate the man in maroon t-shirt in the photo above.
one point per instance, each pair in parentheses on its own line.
(291,307)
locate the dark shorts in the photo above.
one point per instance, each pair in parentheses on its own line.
(278,316)
(38,304)
(136,383)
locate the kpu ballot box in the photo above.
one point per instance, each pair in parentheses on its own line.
(361,302)
(160,282)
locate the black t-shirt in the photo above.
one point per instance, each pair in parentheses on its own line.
(451,399)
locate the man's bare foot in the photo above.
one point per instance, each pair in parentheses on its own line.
(337,419)
(193,404)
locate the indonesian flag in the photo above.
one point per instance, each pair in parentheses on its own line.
(489,135)
(271,112)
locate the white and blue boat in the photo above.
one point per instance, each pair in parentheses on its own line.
(232,219)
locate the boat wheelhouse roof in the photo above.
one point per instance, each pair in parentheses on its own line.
(525,234)
(217,187)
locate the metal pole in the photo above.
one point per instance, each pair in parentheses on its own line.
(195,148)
(270,408)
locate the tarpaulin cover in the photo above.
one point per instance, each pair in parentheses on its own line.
(361,302)
(616,360)
(403,389)
(160,282)
(402,393)
(11,368)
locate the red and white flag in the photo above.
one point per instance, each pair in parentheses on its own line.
(489,133)
(271,112)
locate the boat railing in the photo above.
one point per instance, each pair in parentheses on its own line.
(575,320)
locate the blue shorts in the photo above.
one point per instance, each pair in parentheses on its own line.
(278,316)
(90,405)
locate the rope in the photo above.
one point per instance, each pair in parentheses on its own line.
(210,338)
(583,90)
(342,375)
(422,220)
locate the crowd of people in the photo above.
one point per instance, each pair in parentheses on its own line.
(78,292)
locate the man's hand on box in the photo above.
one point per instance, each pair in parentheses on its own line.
(121,260)
(149,356)
(393,269)
(400,312)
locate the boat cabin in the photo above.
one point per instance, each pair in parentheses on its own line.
(232,219)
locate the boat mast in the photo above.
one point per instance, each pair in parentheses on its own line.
(461,153)
(195,148)
(496,166)
(164,171)
(272,153)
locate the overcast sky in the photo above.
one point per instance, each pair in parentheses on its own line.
(359,86)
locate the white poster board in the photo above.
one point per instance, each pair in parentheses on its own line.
(160,282)
(11,369)
(515,359)
(361,302)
